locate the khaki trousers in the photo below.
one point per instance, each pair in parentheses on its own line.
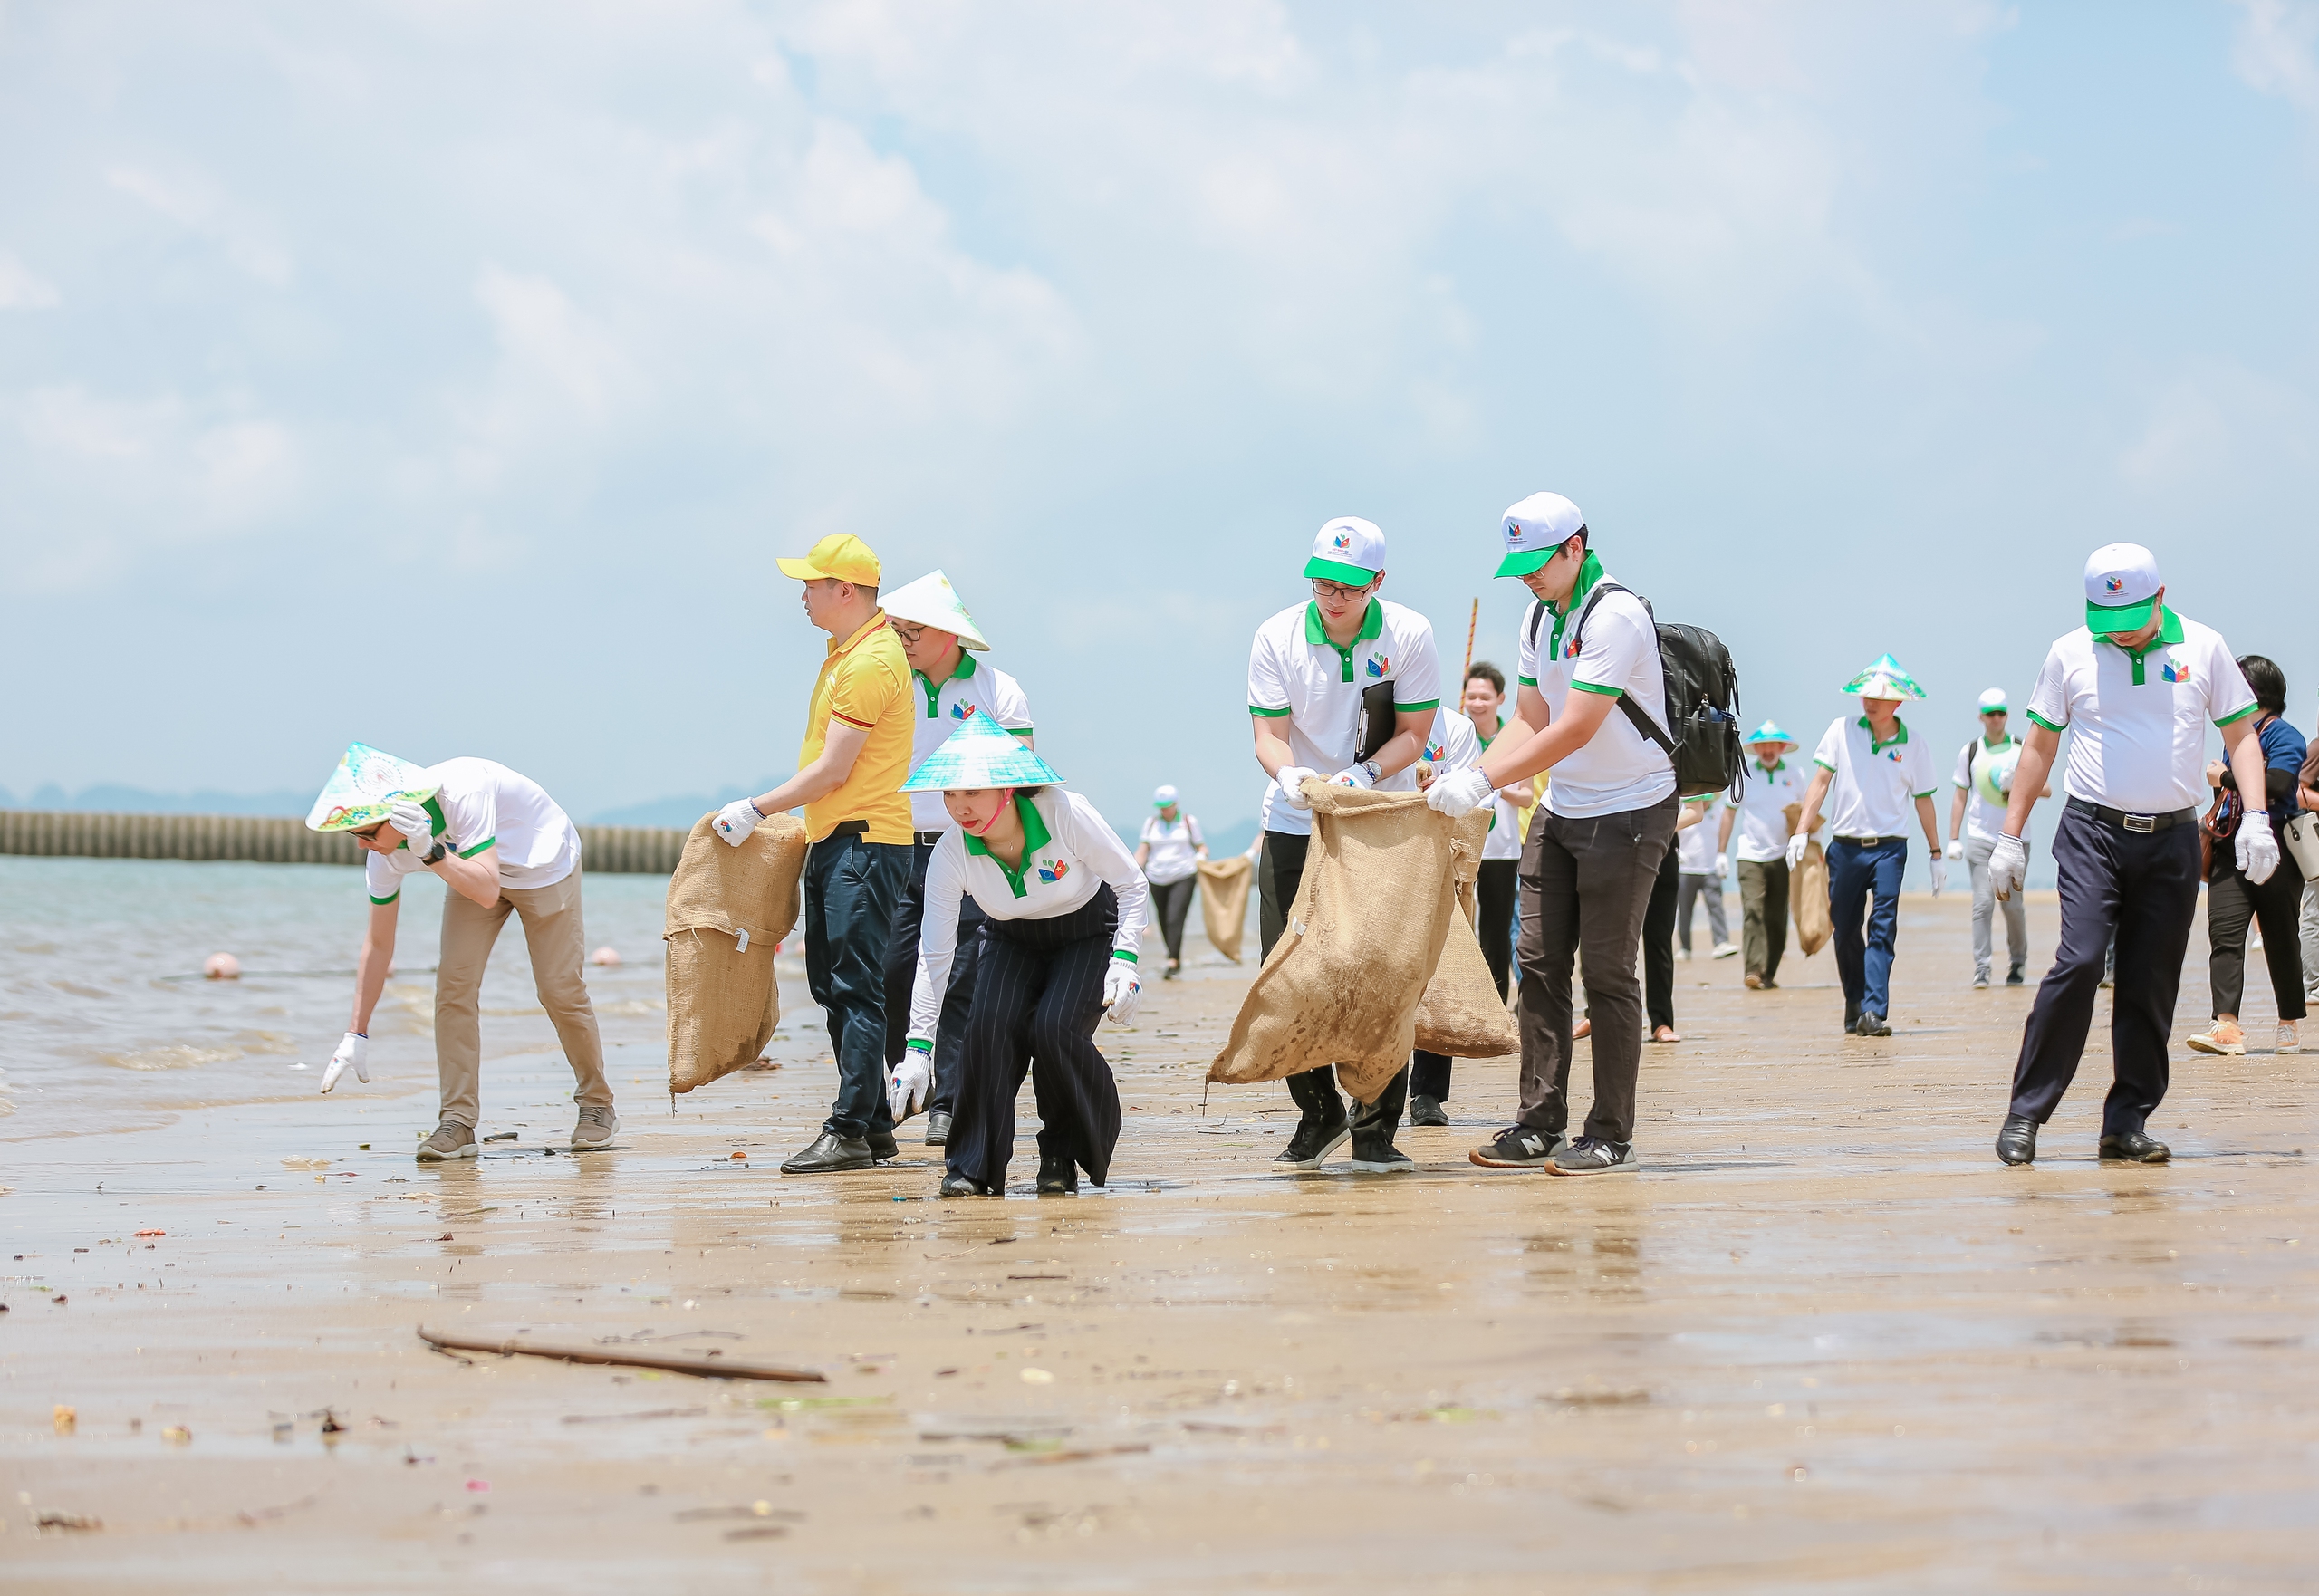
(552,932)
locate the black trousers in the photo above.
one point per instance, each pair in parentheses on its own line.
(2232,900)
(1169,902)
(1494,905)
(850,888)
(901,975)
(1038,994)
(1658,942)
(2143,888)
(1280,871)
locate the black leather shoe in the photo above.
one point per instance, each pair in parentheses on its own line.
(960,1185)
(882,1144)
(2134,1147)
(1058,1178)
(938,1128)
(1872,1024)
(2017,1139)
(1426,1110)
(1314,1140)
(828,1154)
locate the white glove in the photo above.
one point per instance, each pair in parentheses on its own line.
(1940,875)
(1292,779)
(1460,794)
(1795,846)
(416,826)
(1121,992)
(1956,849)
(1351,776)
(737,820)
(1722,865)
(2258,847)
(907,1087)
(353,1048)
(2009,866)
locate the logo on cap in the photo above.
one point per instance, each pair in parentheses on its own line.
(1344,540)
(1512,531)
(2116,584)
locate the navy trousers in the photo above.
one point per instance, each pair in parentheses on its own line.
(2144,887)
(901,975)
(850,890)
(1038,994)
(1864,883)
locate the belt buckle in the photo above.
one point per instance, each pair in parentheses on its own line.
(2145,824)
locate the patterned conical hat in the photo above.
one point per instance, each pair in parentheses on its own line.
(367,784)
(1884,679)
(931,601)
(980,753)
(1771,731)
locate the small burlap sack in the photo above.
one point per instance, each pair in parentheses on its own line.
(1224,901)
(722,999)
(1363,936)
(1461,1015)
(1807,893)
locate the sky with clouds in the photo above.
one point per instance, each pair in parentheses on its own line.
(449,376)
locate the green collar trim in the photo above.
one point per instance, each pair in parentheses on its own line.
(1900,734)
(1590,572)
(1774,768)
(2008,741)
(1034,837)
(2170,631)
(1372,626)
(934,688)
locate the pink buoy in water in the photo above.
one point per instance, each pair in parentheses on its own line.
(222,967)
(604,955)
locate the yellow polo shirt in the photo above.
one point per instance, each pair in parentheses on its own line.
(865,682)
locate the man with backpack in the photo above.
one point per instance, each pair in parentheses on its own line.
(1595,846)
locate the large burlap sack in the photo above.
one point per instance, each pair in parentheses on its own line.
(1224,901)
(1364,933)
(1807,901)
(1461,1014)
(722,999)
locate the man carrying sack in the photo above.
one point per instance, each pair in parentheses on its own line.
(850,771)
(1760,819)
(2132,686)
(939,638)
(1342,689)
(499,844)
(1876,772)
(1594,847)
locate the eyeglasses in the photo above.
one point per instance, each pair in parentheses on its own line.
(908,634)
(1338,591)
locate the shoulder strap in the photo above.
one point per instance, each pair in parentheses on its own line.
(1648,728)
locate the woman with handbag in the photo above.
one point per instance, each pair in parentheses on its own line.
(2233,902)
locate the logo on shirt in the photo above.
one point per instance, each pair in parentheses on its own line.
(1434,751)
(1053,870)
(2173,671)
(1379,665)
(2116,584)
(962,711)
(1569,649)
(1893,755)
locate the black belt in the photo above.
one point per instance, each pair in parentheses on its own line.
(849,828)
(1870,842)
(926,839)
(2142,823)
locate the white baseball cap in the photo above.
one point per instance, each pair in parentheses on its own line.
(1534,529)
(1992,701)
(1163,797)
(2121,583)
(1347,550)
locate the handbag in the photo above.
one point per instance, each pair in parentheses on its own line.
(2301,839)
(2219,824)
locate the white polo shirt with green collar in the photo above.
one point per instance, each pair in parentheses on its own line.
(2136,722)
(1297,673)
(478,805)
(975,684)
(1876,785)
(1615,653)
(1760,837)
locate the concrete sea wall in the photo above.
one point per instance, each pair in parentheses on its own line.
(605,849)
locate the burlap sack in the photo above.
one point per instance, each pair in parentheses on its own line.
(722,999)
(1224,901)
(1807,892)
(1461,1014)
(1363,936)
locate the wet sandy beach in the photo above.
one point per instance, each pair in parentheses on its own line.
(1821,1341)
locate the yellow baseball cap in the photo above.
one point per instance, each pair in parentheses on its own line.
(839,557)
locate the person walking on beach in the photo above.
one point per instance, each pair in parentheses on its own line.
(1760,819)
(2233,902)
(1065,910)
(850,772)
(1168,853)
(2132,686)
(500,845)
(1875,770)
(1341,689)
(1984,783)
(1593,855)
(1704,866)
(940,640)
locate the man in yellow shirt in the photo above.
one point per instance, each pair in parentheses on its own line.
(850,772)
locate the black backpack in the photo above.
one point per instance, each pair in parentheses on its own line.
(1702,687)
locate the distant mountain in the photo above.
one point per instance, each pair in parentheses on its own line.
(1232,839)
(675,812)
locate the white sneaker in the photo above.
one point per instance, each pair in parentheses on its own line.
(1684,954)
(2223,1038)
(2288,1041)
(1725,950)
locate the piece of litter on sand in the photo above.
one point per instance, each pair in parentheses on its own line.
(176,1435)
(501,1136)
(69,1521)
(1037,1377)
(478,1485)
(64,1419)
(711,1367)
(617,1417)
(305,1163)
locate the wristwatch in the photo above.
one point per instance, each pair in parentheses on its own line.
(1368,768)
(435,854)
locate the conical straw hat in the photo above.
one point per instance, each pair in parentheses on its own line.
(931,601)
(980,753)
(1771,731)
(367,784)
(1884,679)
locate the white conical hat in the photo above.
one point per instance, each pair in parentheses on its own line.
(367,784)
(980,753)
(1884,679)
(931,601)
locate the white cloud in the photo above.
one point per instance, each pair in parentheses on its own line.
(195,204)
(2277,50)
(22,288)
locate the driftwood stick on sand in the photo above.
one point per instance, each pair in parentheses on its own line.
(710,1366)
